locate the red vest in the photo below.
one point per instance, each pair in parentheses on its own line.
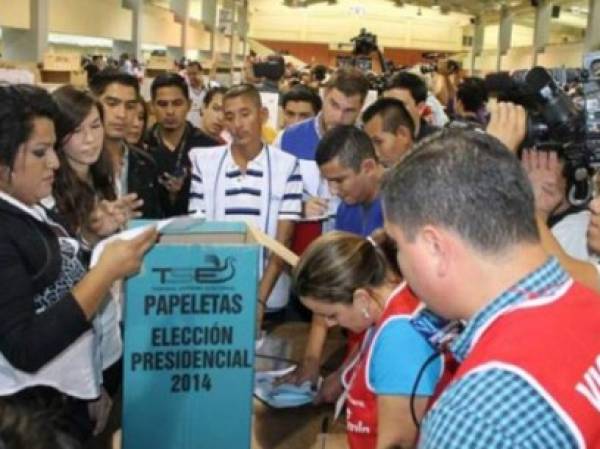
(553,343)
(304,234)
(361,403)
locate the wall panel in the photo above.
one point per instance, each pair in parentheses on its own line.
(14,14)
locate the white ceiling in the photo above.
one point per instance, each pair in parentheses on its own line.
(573,12)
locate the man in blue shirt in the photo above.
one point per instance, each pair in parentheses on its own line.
(486,266)
(343,99)
(347,160)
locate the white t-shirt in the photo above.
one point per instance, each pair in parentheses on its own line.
(571,233)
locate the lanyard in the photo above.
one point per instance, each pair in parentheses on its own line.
(180,148)
(269,189)
(353,365)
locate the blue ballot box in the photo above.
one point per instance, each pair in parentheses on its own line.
(189,340)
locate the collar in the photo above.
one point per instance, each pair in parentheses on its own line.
(36,212)
(157,133)
(545,280)
(317,124)
(260,161)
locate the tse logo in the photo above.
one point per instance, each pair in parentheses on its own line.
(214,272)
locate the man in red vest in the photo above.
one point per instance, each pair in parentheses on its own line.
(461,211)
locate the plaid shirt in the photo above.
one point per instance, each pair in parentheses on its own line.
(495,409)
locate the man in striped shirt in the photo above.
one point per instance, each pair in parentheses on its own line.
(530,354)
(250,181)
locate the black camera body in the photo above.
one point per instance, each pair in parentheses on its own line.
(365,43)
(554,120)
(272,69)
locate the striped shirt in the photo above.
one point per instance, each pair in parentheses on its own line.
(244,190)
(496,409)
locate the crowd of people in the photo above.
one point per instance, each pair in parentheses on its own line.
(465,279)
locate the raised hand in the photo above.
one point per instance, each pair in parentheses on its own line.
(545,172)
(508,123)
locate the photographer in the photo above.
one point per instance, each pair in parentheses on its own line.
(508,123)
(445,82)
(568,223)
(269,72)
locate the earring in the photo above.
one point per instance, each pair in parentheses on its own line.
(366,313)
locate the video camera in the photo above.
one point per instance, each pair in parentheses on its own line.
(554,120)
(365,44)
(273,68)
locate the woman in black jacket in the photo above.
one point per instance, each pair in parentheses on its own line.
(48,301)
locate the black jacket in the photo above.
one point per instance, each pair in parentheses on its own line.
(30,262)
(142,178)
(176,161)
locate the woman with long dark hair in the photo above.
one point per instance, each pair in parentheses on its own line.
(87,203)
(84,190)
(48,305)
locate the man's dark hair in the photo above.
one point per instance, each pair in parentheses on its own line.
(468,182)
(319,72)
(472,94)
(24,425)
(104,78)
(350,82)
(195,63)
(169,80)
(393,113)
(411,82)
(347,143)
(20,104)
(210,94)
(244,90)
(302,93)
